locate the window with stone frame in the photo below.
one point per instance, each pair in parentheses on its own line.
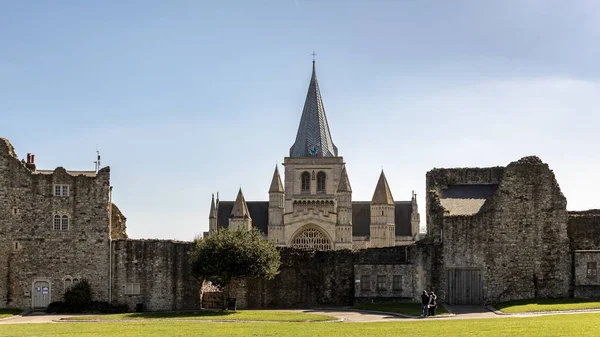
(57,221)
(305,186)
(321,178)
(64,224)
(68,283)
(60,223)
(381,282)
(592,270)
(397,282)
(132,289)
(61,190)
(365,282)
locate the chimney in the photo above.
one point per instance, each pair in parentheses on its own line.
(30,162)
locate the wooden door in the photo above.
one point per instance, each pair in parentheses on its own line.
(465,286)
(41,294)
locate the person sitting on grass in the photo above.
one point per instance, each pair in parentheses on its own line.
(432,303)
(424,304)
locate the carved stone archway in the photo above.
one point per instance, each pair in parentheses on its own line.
(311,237)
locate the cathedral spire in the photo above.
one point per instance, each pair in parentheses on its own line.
(213,211)
(240,208)
(313,138)
(382,195)
(276,185)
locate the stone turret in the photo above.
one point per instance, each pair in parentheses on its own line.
(240,216)
(276,210)
(383,226)
(415,218)
(212,216)
(344,212)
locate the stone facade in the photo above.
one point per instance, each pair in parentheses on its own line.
(54,229)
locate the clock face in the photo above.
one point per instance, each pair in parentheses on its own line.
(313,150)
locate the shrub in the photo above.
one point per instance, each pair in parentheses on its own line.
(79,294)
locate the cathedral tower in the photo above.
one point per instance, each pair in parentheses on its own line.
(383,226)
(240,216)
(312,172)
(276,201)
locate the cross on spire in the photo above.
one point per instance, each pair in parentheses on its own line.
(313,55)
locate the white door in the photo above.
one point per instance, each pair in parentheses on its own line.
(41,294)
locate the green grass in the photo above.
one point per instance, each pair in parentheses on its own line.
(547,304)
(9,312)
(581,325)
(411,309)
(242,315)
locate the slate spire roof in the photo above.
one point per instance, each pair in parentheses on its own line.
(240,208)
(344,185)
(382,195)
(276,185)
(313,138)
(213,211)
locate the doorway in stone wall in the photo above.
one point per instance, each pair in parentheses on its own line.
(41,293)
(465,286)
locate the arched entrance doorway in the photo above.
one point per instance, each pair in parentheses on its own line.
(311,237)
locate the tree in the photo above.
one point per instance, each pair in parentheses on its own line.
(227,255)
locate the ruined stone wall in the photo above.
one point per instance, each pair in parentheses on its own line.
(118,224)
(519,238)
(324,278)
(161,269)
(31,249)
(438,179)
(584,230)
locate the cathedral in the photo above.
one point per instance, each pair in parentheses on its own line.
(312,208)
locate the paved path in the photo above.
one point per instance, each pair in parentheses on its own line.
(347,315)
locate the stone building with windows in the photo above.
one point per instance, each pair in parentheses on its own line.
(312,207)
(59,226)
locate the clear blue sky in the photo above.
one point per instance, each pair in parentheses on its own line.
(186,98)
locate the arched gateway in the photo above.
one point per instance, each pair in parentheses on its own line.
(311,237)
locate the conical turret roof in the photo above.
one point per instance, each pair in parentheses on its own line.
(313,138)
(276,185)
(344,185)
(382,195)
(213,210)
(240,208)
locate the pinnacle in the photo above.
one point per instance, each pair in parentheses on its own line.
(344,185)
(382,195)
(276,185)
(240,208)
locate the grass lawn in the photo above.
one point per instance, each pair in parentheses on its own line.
(547,304)
(241,315)
(411,309)
(9,312)
(581,325)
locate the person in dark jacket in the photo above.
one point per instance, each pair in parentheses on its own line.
(432,303)
(424,304)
